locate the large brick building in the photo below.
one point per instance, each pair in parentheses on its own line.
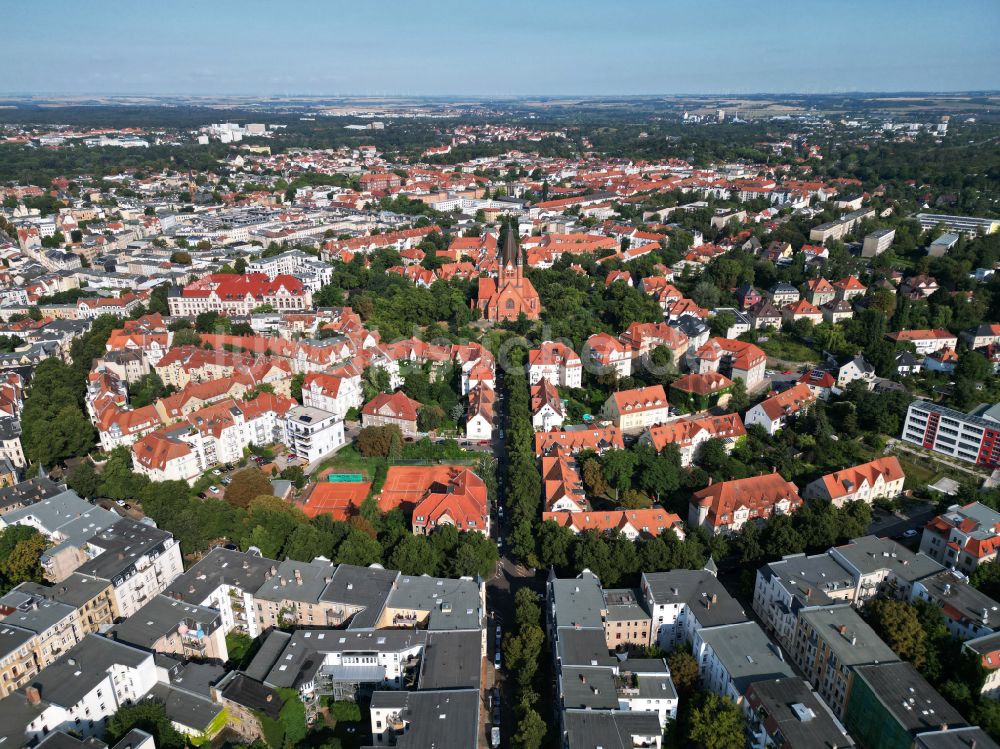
(235,294)
(511,294)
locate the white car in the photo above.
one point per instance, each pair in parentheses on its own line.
(214,489)
(496,659)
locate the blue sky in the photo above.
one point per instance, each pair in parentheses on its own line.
(509,47)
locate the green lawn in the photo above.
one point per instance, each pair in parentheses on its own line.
(780,346)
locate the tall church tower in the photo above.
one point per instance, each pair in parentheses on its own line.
(510,270)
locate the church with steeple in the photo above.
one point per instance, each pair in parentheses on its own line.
(511,294)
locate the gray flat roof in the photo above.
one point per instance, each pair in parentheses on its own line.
(185,708)
(312,580)
(74,518)
(76,590)
(897,683)
(869,554)
(447,719)
(589,688)
(222,567)
(34,612)
(160,617)
(368,587)
(578,602)
(452,660)
(858,645)
(12,638)
(305,650)
(66,681)
(746,653)
(809,579)
(695,588)
(583,647)
(612,729)
(453,604)
(956,738)
(123,544)
(264,659)
(949,589)
(813,727)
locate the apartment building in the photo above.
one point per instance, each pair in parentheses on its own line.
(963,538)
(166,625)
(726,506)
(735,359)
(882,478)
(690,434)
(795,582)
(311,433)
(635,410)
(336,393)
(788,714)
(239,294)
(557,363)
(830,642)
(880,566)
(139,560)
(773,413)
(388,409)
(973,437)
(732,657)
(546,407)
(311,271)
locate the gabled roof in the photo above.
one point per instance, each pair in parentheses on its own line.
(842,483)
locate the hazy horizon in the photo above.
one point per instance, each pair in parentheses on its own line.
(553,49)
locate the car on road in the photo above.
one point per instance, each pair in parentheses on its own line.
(499,633)
(495,737)
(909,533)
(496,659)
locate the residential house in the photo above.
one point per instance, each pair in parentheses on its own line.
(726,506)
(690,434)
(773,412)
(555,362)
(881,478)
(392,409)
(964,537)
(634,410)
(546,407)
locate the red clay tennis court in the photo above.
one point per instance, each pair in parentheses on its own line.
(341,500)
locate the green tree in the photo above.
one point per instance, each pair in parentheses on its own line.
(896,622)
(146,390)
(476,555)
(683,671)
(618,466)
(382,441)
(359,549)
(296,387)
(247,485)
(21,549)
(716,723)
(530,730)
(83,479)
(375,380)
(146,715)
(186,337)
(414,555)
(554,543)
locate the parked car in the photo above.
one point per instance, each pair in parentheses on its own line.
(496,659)
(495,737)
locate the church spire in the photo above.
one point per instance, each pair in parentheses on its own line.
(511,256)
